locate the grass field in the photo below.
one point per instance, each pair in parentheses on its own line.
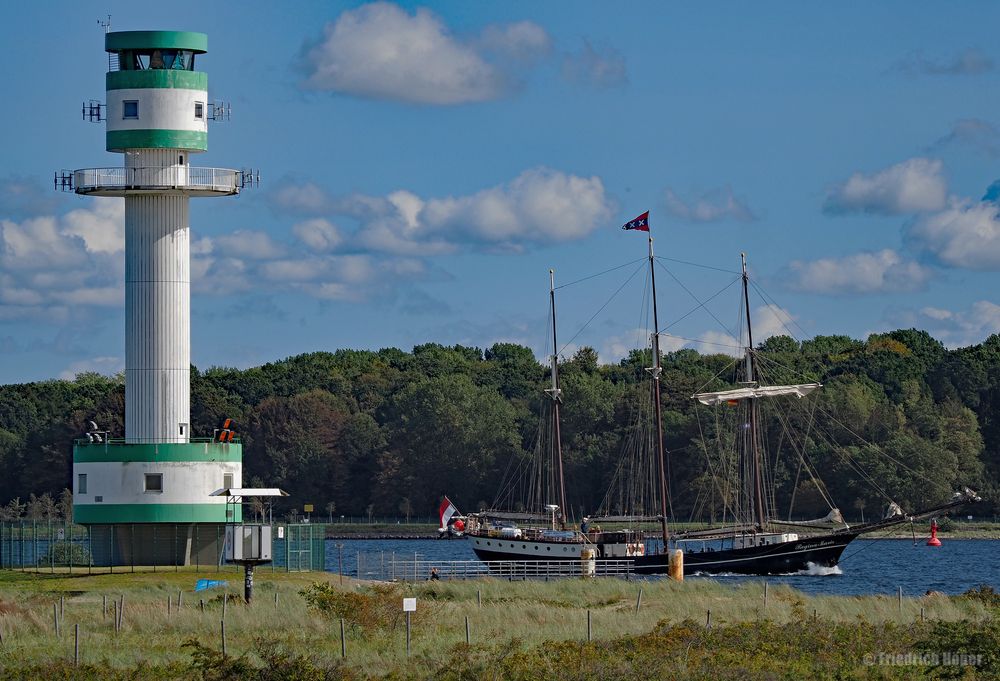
(526,618)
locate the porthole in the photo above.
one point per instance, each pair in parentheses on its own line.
(523,546)
(487,543)
(536,548)
(548,548)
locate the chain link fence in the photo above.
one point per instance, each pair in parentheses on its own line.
(58,546)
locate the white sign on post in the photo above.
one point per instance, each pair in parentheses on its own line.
(409,605)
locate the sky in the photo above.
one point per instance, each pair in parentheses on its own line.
(423,166)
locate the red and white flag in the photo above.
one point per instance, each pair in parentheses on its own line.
(447,511)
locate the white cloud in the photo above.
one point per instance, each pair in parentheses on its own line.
(913,186)
(538,206)
(108,366)
(714,205)
(969,62)
(599,67)
(966,234)
(868,272)
(318,234)
(302,198)
(523,40)
(249,244)
(381,51)
(51,267)
(954,328)
(973,132)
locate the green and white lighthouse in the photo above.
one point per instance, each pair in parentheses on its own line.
(157,112)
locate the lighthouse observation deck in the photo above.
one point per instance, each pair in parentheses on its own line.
(187,180)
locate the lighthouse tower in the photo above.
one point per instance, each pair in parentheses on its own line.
(159,478)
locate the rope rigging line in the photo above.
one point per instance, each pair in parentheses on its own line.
(694,264)
(600,310)
(598,274)
(695,298)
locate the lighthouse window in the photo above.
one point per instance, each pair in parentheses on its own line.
(140,60)
(81,483)
(130,108)
(153,482)
(199,110)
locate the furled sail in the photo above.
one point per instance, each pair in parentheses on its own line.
(728,396)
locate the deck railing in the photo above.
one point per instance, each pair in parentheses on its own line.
(170,177)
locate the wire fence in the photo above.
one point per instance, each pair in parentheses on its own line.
(58,546)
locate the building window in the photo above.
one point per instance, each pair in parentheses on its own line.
(130,108)
(183,429)
(153,482)
(81,483)
(227,481)
(199,110)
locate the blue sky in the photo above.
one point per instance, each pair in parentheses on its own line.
(425,165)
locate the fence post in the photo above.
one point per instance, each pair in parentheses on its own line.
(468,637)
(55,618)
(104,607)
(223,625)
(121,613)
(343,640)
(589,627)
(638,601)
(708,620)
(479,598)
(114,615)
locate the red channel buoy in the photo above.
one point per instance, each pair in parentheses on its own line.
(934,541)
(460,526)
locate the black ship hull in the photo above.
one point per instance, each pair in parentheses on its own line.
(769,559)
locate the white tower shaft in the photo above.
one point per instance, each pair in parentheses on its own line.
(157,307)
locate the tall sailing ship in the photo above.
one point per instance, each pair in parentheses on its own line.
(752,539)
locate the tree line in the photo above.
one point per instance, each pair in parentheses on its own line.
(389,432)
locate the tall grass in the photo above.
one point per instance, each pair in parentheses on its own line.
(528,612)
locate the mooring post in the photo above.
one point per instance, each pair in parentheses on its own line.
(76,645)
(343,640)
(638,601)
(468,634)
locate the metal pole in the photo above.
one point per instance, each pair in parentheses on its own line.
(765,595)
(222,624)
(589,627)
(343,640)
(407,634)
(76,645)
(900,598)
(340,550)
(468,637)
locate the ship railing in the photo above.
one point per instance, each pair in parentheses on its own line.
(423,569)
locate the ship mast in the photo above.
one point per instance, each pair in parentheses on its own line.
(655,371)
(758,494)
(556,394)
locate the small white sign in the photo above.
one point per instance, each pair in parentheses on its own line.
(281,532)
(409,605)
